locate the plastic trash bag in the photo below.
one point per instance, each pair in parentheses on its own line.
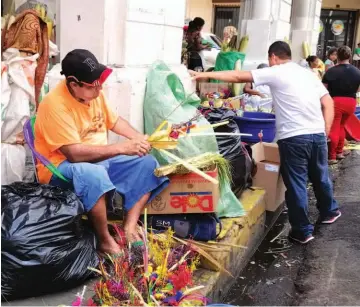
(231,147)
(164,93)
(45,247)
(227,60)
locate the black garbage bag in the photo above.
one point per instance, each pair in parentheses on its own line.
(231,147)
(45,245)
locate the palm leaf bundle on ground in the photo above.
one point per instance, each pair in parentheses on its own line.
(205,162)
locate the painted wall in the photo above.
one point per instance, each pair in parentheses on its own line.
(128,35)
(200,8)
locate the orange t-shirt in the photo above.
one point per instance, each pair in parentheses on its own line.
(62,120)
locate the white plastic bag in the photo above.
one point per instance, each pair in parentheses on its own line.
(17,105)
(20,104)
(12,163)
(53,49)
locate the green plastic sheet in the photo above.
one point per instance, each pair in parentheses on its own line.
(165,92)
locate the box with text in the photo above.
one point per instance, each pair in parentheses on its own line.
(267,158)
(188,193)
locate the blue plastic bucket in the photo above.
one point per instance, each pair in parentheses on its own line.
(253,123)
(357,112)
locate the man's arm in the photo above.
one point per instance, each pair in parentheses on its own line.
(232,76)
(89,153)
(123,128)
(249,90)
(75,153)
(136,145)
(327,105)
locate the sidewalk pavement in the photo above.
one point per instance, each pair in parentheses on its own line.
(331,268)
(325,272)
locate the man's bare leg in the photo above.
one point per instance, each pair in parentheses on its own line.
(132,219)
(98,217)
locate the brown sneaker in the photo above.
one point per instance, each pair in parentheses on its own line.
(346,152)
(340,157)
(333,162)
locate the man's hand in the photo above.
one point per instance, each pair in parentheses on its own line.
(196,75)
(135,147)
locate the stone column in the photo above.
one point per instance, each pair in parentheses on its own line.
(261,10)
(265,21)
(305,26)
(255,23)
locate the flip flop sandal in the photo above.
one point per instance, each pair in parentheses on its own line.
(111,256)
(137,244)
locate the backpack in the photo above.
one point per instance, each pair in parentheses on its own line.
(199,227)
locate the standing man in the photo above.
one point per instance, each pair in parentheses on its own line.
(304,114)
(71,131)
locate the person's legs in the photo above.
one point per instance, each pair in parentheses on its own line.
(98,217)
(342,135)
(348,107)
(334,135)
(134,179)
(294,156)
(91,183)
(132,219)
(320,178)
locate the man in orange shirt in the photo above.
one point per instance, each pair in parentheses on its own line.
(71,131)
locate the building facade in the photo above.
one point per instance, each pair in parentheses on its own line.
(339,25)
(321,23)
(130,35)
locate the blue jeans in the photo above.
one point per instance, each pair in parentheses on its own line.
(131,176)
(305,157)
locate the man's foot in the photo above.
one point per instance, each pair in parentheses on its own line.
(340,157)
(331,219)
(302,239)
(132,236)
(109,246)
(333,162)
(346,152)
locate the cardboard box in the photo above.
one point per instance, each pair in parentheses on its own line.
(267,158)
(188,193)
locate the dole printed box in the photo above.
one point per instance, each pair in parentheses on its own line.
(189,193)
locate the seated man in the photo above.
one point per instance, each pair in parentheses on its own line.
(71,131)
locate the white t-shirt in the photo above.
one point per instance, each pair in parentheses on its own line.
(296,94)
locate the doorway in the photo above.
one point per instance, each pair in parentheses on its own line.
(225,16)
(337,28)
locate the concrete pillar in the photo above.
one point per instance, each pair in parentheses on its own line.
(300,18)
(265,21)
(305,26)
(261,9)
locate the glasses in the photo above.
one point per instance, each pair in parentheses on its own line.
(95,84)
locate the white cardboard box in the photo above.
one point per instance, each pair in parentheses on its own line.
(267,158)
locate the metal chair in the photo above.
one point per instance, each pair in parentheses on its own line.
(29,137)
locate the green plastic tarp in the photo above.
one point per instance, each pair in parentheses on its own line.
(165,92)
